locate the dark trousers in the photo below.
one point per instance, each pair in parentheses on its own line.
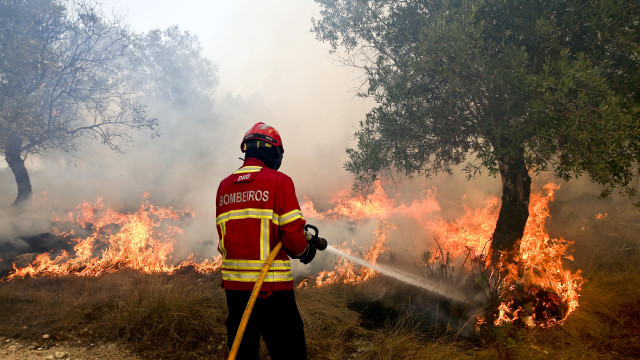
(275,317)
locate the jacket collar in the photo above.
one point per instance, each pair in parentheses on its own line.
(253,162)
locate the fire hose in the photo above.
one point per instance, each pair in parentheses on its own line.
(319,243)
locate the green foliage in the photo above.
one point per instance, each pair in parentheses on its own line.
(556,80)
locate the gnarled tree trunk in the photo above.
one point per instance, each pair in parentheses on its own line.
(13,155)
(514,212)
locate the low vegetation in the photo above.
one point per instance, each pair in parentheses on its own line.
(182,316)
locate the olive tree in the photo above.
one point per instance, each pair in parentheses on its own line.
(509,87)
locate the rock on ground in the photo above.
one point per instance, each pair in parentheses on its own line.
(16,350)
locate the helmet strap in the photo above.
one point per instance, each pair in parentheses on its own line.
(270,155)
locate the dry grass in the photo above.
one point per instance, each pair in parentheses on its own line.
(605,326)
(182,316)
(160,314)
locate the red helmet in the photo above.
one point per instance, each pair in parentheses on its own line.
(264,132)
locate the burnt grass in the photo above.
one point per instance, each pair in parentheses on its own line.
(182,316)
(383,302)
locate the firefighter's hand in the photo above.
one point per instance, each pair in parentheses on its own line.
(317,241)
(309,254)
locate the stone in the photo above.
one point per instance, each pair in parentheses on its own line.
(61,355)
(46,336)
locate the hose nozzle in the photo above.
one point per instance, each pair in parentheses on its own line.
(320,243)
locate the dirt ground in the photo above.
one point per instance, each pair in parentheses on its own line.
(11,349)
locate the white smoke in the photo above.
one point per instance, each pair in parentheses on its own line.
(273,71)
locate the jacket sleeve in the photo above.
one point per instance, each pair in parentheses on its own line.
(218,227)
(291,222)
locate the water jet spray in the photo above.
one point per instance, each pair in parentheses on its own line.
(429,285)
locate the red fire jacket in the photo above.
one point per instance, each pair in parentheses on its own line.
(255,208)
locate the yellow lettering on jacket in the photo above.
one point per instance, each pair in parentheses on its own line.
(249,195)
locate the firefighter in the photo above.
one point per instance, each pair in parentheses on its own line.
(256,207)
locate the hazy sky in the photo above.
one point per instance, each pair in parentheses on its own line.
(265,52)
(271,69)
(259,46)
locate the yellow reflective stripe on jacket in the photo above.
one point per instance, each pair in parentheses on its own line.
(260,214)
(245,214)
(265,216)
(248,169)
(255,264)
(223,231)
(290,216)
(265,245)
(253,276)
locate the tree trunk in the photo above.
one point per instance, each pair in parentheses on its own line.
(514,212)
(13,155)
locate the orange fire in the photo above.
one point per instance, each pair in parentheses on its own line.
(105,241)
(141,241)
(540,261)
(601,216)
(470,231)
(540,271)
(346,272)
(377,206)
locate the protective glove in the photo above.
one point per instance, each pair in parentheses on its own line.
(309,254)
(314,242)
(320,243)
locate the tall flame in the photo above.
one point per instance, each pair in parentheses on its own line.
(554,289)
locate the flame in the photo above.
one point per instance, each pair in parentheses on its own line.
(141,241)
(601,216)
(375,205)
(551,291)
(470,231)
(346,272)
(537,289)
